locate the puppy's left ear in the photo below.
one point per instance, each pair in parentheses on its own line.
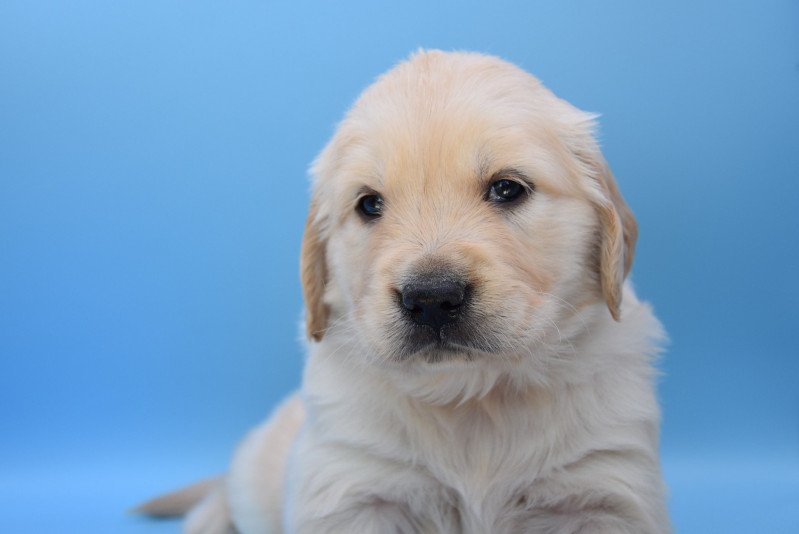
(313,273)
(619,232)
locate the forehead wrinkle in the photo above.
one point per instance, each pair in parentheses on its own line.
(440,159)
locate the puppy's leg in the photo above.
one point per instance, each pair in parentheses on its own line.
(255,483)
(583,522)
(375,518)
(606,492)
(336,488)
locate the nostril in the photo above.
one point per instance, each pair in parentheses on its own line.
(408,300)
(453,299)
(450,308)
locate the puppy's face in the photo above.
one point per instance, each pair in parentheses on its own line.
(461,211)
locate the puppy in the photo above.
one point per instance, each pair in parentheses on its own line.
(477,363)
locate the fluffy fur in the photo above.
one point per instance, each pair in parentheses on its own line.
(541,414)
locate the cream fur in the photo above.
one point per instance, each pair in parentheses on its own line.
(549,422)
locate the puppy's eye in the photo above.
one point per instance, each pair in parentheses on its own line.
(371,206)
(505,190)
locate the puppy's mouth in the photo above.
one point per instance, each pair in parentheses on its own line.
(448,343)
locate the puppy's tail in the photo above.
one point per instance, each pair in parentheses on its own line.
(203,503)
(178,502)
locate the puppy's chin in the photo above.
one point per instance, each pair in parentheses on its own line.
(412,344)
(441,351)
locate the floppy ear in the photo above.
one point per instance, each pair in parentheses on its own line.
(313,273)
(618,233)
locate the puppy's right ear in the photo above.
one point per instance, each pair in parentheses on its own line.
(313,273)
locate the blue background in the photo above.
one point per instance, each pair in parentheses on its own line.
(153,189)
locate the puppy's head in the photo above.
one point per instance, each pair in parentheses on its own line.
(460,211)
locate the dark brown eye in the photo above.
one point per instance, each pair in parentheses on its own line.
(505,190)
(371,206)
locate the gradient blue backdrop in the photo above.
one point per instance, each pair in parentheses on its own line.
(153,189)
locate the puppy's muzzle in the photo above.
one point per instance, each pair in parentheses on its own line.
(435,300)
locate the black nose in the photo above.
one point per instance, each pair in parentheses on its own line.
(434,301)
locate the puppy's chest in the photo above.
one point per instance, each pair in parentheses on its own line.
(487,455)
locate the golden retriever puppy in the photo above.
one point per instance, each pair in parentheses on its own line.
(477,363)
